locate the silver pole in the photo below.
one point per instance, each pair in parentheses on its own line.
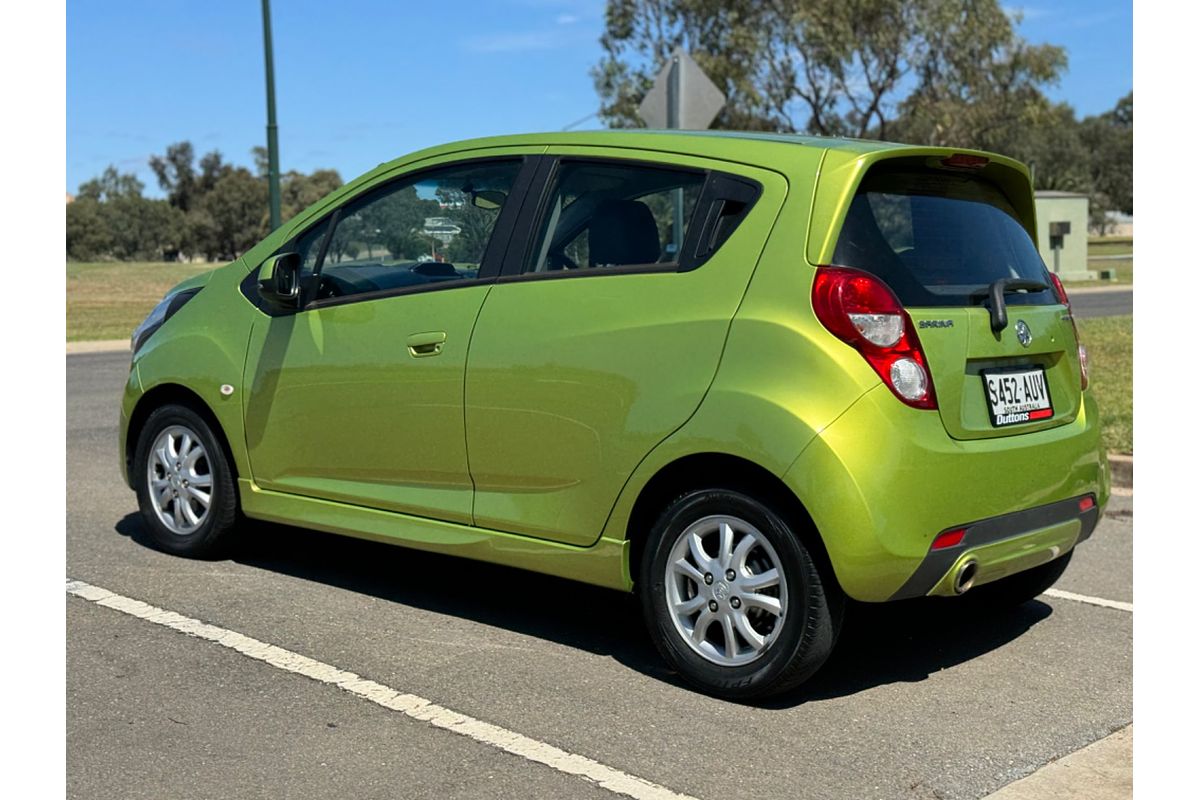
(674,99)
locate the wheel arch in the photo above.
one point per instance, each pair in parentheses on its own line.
(173,394)
(725,471)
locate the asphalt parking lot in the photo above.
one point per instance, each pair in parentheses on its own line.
(1106,302)
(921,700)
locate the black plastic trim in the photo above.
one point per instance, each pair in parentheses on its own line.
(997,529)
(721,193)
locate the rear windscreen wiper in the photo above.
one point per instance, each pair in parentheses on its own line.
(995,295)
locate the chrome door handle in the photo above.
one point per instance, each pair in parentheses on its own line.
(430,343)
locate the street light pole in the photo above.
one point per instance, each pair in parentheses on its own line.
(272,128)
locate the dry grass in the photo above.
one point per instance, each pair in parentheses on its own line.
(108,300)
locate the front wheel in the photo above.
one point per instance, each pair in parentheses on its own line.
(185,487)
(734,599)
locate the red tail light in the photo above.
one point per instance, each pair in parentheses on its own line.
(862,311)
(1061,294)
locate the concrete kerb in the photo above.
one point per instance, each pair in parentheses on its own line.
(1122,470)
(1101,771)
(103,346)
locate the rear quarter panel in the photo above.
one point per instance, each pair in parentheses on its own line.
(782,378)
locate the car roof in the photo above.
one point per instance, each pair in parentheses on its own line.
(751,147)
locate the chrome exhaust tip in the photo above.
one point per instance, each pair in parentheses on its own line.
(964,579)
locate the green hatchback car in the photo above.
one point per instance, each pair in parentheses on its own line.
(747,376)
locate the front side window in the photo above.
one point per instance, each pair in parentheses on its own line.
(431,228)
(614,215)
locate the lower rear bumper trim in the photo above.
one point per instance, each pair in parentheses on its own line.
(997,529)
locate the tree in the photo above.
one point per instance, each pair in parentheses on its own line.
(176,174)
(111,184)
(144,229)
(178,177)
(980,84)
(1053,148)
(1108,137)
(298,191)
(230,216)
(726,37)
(830,67)
(88,236)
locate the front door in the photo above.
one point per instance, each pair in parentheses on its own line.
(357,397)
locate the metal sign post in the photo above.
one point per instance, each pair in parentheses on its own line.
(272,128)
(682,97)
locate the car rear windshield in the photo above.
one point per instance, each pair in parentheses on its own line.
(938,238)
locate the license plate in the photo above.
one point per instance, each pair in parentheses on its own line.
(1016,397)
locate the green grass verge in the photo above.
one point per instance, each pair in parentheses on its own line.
(1116,246)
(108,300)
(1104,247)
(1109,342)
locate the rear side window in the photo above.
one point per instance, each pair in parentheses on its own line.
(938,238)
(615,215)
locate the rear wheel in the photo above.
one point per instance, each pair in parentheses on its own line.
(185,487)
(1022,587)
(733,599)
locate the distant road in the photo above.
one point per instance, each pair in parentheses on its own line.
(1102,304)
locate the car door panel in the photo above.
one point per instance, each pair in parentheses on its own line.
(358,398)
(572,380)
(340,407)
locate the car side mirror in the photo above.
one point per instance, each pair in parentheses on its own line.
(279,280)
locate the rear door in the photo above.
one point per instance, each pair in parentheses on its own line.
(605,330)
(940,238)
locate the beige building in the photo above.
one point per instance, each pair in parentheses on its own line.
(1062,226)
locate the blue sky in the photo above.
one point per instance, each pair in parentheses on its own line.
(363,81)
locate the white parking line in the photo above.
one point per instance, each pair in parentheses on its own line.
(408,704)
(1096,601)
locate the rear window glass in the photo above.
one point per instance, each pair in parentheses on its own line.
(938,238)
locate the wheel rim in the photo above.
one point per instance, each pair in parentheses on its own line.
(725,590)
(179,480)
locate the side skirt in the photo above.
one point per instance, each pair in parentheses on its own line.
(606,563)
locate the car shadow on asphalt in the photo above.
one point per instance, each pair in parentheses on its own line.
(880,644)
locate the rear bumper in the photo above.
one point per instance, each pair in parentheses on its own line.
(1004,545)
(883,480)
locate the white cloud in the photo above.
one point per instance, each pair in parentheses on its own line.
(566,19)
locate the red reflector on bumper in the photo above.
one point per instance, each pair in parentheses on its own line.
(1086,504)
(1044,413)
(948,539)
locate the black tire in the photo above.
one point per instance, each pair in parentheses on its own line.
(215,525)
(798,644)
(1020,588)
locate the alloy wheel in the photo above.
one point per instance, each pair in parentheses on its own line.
(726,592)
(180,481)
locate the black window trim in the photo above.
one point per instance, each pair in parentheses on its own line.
(489,267)
(713,195)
